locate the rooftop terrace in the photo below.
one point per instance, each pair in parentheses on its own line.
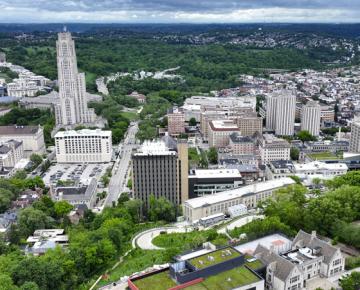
(158,281)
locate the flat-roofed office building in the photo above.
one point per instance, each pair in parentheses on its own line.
(83,146)
(160,168)
(250,195)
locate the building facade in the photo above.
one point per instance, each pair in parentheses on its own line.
(176,121)
(249,125)
(250,195)
(210,181)
(241,145)
(280,112)
(32,137)
(73,109)
(10,153)
(220,131)
(84,146)
(160,168)
(310,118)
(272,148)
(355,136)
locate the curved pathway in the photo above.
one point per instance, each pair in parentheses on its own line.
(144,239)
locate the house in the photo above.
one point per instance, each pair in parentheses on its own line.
(307,258)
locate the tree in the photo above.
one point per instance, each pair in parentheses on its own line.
(161,209)
(6,196)
(351,282)
(294,153)
(62,208)
(124,197)
(212,155)
(134,207)
(29,286)
(6,282)
(192,122)
(36,159)
(305,136)
(32,219)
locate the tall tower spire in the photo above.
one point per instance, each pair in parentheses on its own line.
(73,108)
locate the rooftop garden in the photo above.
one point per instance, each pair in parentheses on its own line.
(227,280)
(214,258)
(253,264)
(325,156)
(159,281)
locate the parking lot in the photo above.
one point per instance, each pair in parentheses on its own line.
(74,174)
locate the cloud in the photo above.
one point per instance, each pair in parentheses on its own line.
(180,10)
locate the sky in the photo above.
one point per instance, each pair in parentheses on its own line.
(179,11)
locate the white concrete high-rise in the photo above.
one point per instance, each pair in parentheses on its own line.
(280,112)
(355,136)
(73,109)
(310,118)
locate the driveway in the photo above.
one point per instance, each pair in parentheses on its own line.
(239,222)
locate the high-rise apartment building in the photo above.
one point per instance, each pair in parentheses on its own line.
(310,118)
(355,135)
(176,121)
(83,146)
(73,109)
(280,112)
(160,168)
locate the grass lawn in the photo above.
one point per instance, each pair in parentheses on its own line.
(187,241)
(324,156)
(160,281)
(130,115)
(254,265)
(227,280)
(217,257)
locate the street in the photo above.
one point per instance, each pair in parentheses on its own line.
(121,167)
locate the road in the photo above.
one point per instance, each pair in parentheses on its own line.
(121,167)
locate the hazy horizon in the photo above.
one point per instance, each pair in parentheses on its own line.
(179,11)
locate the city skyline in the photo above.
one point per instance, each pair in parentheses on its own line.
(166,11)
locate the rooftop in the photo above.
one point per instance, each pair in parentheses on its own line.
(157,281)
(232,279)
(316,165)
(84,132)
(157,147)
(214,258)
(215,173)
(238,192)
(18,130)
(223,125)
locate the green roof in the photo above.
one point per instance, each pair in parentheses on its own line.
(159,281)
(324,156)
(254,264)
(237,277)
(214,258)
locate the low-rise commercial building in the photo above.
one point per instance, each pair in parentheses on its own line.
(77,195)
(83,146)
(272,148)
(241,145)
(44,240)
(279,169)
(320,169)
(250,195)
(32,137)
(209,181)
